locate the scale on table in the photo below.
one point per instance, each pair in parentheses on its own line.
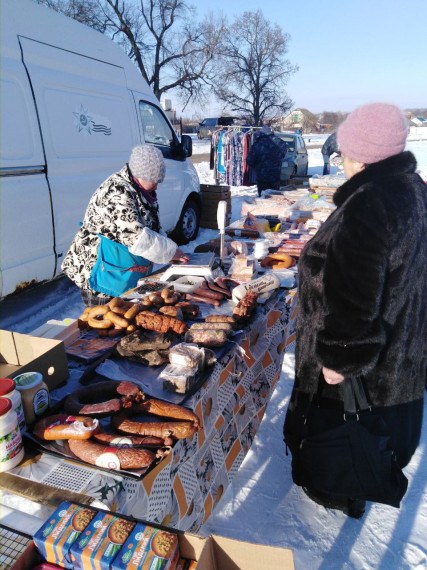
(199,264)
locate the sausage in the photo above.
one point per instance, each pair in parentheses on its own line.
(177,430)
(129,458)
(117,320)
(221,282)
(133,311)
(119,440)
(62,426)
(165,409)
(201,299)
(214,287)
(205,292)
(103,398)
(220,319)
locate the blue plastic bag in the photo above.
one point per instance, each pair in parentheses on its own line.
(116,269)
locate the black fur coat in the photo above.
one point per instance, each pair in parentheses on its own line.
(363,288)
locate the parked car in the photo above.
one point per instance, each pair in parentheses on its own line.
(207,126)
(72,107)
(296,159)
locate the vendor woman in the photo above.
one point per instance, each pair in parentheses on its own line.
(121,237)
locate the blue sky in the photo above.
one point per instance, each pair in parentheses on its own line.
(349,52)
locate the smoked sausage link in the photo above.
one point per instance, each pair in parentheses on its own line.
(129,458)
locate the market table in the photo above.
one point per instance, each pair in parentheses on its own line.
(182,490)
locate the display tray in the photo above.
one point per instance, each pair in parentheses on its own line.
(60,448)
(147,377)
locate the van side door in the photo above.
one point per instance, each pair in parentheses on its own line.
(27,235)
(88,126)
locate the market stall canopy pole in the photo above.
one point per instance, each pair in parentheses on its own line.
(221,214)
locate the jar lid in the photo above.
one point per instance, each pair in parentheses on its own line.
(5,406)
(28,380)
(7,385)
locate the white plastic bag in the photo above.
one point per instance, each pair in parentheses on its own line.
(154,247)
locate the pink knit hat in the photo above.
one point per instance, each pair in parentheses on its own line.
(373,132)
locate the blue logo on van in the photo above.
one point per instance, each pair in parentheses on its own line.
(91,123)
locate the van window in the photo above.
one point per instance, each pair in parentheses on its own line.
(157,130)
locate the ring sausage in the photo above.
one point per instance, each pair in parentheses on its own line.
(99,323)
(117,320)
(116,302)
(103,398)
(62,426)
(129,458)
(98,311)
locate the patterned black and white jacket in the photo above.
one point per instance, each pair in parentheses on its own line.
(118,211)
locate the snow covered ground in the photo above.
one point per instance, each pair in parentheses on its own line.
(262,505)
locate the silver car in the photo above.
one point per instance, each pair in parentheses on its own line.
(296,159)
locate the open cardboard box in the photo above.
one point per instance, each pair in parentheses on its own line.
(211,553)
(26,353)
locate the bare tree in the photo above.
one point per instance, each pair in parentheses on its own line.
(169,47)
(333,118)
(85,11)
(255,69)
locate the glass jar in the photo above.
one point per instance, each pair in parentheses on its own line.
(8,390)
(34,393)
(11,446)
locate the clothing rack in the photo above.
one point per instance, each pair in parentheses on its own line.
(230,146)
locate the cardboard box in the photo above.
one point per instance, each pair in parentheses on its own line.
(211,553)
(25,353)
(66,330)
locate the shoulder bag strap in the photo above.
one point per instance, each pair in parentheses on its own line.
(354,394)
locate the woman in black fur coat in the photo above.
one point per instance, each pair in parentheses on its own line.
(362,285)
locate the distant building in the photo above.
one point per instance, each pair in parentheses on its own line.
(169,110)
(291,122)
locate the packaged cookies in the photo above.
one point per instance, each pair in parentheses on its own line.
(64,526)
(148,548)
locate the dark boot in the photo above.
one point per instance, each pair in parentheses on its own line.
(353,508)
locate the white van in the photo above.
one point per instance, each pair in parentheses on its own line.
(72,107)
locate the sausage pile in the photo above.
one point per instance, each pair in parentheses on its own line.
(134,444)
(212,292)
(114,319)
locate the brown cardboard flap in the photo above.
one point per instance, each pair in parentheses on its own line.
(25,353)
(239,555)
(191,545)
(8,353)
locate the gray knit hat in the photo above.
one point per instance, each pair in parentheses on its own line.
(146,162)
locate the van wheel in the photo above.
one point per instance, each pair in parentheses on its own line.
(187,227)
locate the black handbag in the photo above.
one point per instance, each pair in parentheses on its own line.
(347,454)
